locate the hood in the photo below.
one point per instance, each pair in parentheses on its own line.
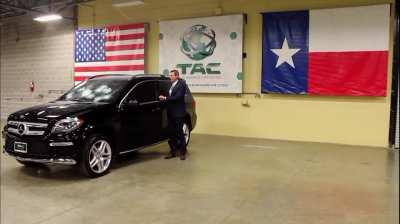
(53,111)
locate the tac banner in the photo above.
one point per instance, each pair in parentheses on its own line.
(340,51)
(114,49)
(207,52)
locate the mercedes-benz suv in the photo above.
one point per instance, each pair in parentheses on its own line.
(95,121)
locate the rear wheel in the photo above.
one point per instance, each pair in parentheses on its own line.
(97,156)
(186,132)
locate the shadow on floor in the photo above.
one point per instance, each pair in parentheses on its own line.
(71,173)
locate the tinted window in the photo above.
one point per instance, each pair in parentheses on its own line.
(144,92)
(164,87)
(96,90)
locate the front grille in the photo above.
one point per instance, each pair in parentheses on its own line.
(35,147)
(26,128)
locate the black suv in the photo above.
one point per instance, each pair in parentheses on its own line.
(95,121)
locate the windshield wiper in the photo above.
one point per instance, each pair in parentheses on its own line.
(78,100)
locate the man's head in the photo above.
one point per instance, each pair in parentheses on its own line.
(174,75)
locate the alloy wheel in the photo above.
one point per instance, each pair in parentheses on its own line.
(186,133)
(100,155)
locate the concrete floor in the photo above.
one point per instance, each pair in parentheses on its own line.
(225,180)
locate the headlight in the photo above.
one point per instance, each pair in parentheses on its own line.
(67,124)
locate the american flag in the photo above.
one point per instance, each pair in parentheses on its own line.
(117,49)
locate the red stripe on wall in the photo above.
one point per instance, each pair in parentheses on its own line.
(125,47)
(125,27)
(132,36)
(125,57)
(110,68)
(348,73)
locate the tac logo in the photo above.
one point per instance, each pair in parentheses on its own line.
(198,42)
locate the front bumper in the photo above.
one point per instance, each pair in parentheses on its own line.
(60,161)
(43,149)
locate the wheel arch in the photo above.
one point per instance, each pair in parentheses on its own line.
(91,130)
(188,120)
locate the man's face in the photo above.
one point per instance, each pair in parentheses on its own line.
(172,76)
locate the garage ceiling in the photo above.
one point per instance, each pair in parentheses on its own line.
(12,8)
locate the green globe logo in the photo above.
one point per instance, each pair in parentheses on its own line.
(198,42)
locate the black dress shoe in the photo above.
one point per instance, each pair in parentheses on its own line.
(170,156)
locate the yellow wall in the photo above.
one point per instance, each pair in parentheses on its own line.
(344,120)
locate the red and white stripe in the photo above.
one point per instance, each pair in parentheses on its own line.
(125,53)
(348,50)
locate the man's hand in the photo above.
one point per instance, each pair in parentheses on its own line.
(161,97)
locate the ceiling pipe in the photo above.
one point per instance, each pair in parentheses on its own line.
(74,3)
(19,8)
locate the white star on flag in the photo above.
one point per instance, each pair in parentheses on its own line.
(285,54)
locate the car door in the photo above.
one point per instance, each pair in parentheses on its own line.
(163,88)
(141,116)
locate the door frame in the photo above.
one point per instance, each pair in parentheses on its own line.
(394,105)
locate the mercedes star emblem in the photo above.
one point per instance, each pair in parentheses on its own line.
(21,129)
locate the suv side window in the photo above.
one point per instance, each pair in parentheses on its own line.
(143,92)
(164,87)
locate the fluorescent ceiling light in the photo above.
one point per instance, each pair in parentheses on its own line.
(47,18)
(123,3)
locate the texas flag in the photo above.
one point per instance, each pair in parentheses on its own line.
(341,51)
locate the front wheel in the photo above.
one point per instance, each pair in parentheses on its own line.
(186,133)
(96,157)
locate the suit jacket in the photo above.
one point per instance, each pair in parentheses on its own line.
(176,106)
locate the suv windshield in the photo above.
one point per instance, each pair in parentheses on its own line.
(103,90)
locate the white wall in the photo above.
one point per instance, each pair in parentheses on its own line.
(32,51)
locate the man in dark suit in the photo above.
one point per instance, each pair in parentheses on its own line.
(176,112)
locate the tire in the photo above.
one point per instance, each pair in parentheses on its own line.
(186,132)
(97,156)
(29,164)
